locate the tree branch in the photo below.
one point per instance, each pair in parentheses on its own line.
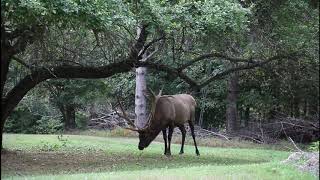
(214,55)
(14,96)
(170,70)
(245,67)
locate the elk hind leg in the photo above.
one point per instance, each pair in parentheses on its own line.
(169,140)
(164,132)
(183,132)
(193,136)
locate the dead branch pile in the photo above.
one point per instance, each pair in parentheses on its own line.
(281,127)
(107,121)
(203,133)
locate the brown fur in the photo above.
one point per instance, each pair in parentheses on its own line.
(169,111)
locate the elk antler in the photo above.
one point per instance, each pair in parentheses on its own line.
(160,92)
(125,116)
(151,92)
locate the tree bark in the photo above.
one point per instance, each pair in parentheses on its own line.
(231,110)
(5,61)
(246,116)
(296,107)
(140,99)
(70,117)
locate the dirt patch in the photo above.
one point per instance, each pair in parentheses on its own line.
(25,163)
(305,161)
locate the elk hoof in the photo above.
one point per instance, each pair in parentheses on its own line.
(181,152)
(197,152)
(168,154)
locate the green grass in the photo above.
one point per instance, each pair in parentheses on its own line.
(81,157)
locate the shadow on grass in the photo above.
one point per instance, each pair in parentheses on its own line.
(40,163)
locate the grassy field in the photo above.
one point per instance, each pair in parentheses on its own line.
(92,157)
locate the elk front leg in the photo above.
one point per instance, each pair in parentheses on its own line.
(183,132)
(169,140)
(164,132)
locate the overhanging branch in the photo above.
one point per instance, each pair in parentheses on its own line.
(214,55)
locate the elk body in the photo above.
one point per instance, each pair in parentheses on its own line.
(168,112)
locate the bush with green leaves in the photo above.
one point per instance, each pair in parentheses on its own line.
(81,120)
(21,121)
(48,125)
(314,146)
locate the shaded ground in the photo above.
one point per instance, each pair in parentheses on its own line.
(29,163)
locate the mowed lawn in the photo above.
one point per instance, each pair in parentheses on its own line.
(90,157)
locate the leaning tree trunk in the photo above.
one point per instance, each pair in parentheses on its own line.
(5,61)
(140,99)
(231,110)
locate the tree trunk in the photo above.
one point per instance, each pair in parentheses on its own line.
(70,117)
(5,61)
(231,110)
(2,128)
(92,111)
(140,99)
(140,108)
(296,108)
(247,116)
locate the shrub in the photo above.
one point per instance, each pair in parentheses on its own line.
(48,125)
(21,121)
(314,146)
(81,120)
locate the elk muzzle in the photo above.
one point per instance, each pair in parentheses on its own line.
(140,147)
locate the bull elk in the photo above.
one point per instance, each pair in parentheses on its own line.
(167,111)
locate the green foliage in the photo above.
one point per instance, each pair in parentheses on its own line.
(191,28)
(21,121)
(81,120)
(24,121)
(77,91)
(48,146)
(91,14)
(48,125)
(314,146)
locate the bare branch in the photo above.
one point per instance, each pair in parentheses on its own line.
(217,134)
(145,48)
(294,144)
(149,56)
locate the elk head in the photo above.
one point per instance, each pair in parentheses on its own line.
(146,134)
